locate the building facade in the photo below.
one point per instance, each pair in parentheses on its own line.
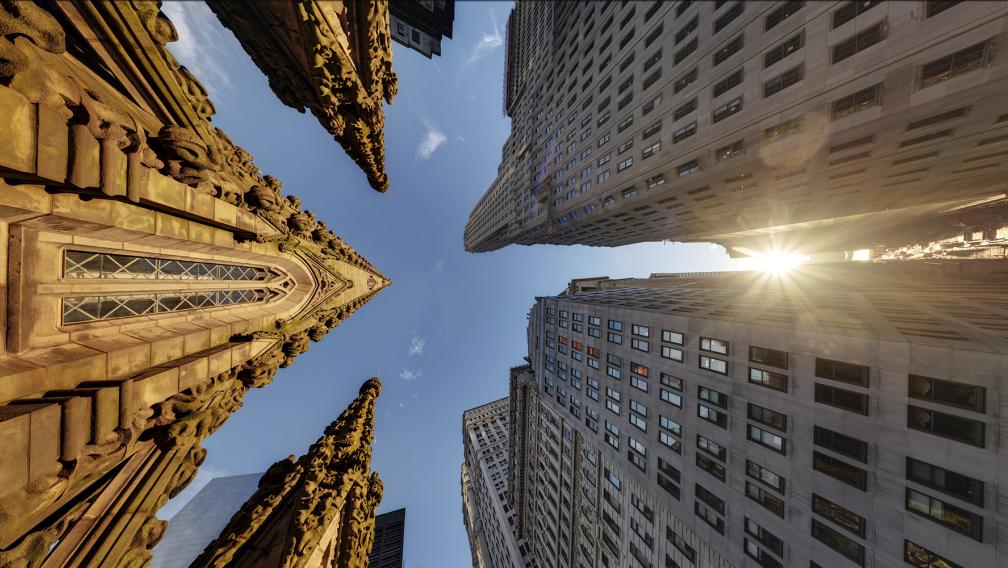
(152,275)
(422,24)
(843,415)
(389,540)
(756,125)
(203,517)
(488,517)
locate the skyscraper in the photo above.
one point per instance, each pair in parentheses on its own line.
(421,24)
(390,534)
(841,415)
(201,519)
(757,125)
(488,517)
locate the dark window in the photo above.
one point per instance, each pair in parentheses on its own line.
(783,129)
(785,48)
(840,371)
(765,476)
(650,79)
(728,110)
(711,447)
(681,7)
(729,151)
(765,537)
(722,86)
(920,557)
(651,37)
(669,486)
(685,51)
(766,498)
(851,10)
(712,396)
(840,470)
(946,425)
(782,13)
(842,398)
(686,80)
(626,62)
(935,7)
(841,444)
(939,118)
(838,542)
(686,30)
(842,516)
(728,50)
(710,466)
(861,41)
(783,81)
(685,109)
(946,481)
(769,417)
(727,18)
(856,102)
(945,514)
(961,395)
(771,357)
(705,495)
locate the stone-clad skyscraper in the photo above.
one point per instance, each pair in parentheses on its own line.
(843,415)
(758,125)
(488,518)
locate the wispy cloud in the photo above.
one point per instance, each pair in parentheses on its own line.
(410,375)
(432,140)
(486,44)
(417,344)
(200,47)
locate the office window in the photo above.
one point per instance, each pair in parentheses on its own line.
(671,382)
(639,344)
(686,30)
(765,476)
(712,396)
(711,415)
(945,514)
(767,439)
(771,502)
(638,383)
(783,49)
(947,481)
(843,372)
(859,42)
(671,397)
(641,330)
(946,425)
(684,132)
(649,63)
(685,109)
(651,150)
(722,86)
(775,381)
(727,110)
(843,517)
(651,104)
(780,14)
(711,447)
(841,444)
(712,467)
(689,168)
(671,425)
(783,81)
(726,18)
(782,129)
(840,470)
(769,417)
(614,338)
(919,557)
(714,345)
(680,544)
(714,365)
(856,102)
(838,542)
(729,49)
(672,337)
(729,151)
(960,395)
(842,398)
(668,478)
(851,10)
(684,51)
(685,80)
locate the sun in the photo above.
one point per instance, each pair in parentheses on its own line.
(774,262)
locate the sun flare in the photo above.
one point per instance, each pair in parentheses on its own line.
(774,262)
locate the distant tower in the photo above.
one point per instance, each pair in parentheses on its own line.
(420,25)
(202,518)
(390,533)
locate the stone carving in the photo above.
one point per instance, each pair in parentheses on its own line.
(298,500)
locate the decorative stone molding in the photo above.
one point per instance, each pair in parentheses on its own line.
(332,58)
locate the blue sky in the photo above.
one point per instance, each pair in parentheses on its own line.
(443,336)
